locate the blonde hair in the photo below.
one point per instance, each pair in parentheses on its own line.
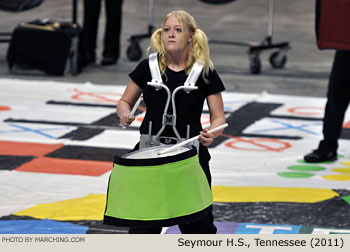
(198,51)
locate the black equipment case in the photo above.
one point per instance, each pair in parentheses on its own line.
(44,46)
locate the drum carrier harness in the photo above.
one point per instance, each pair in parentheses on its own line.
(150,140)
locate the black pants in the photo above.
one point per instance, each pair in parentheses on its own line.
(111,47)
(202,226)
(338,98)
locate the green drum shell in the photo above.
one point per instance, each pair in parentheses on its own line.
(157,190)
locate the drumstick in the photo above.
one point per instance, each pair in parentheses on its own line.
(190,140)
(135,107)
(132,112)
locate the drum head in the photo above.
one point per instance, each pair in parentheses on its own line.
(152,152)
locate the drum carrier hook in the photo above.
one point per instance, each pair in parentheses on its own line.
(149,140)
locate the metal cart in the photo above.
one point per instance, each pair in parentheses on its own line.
(278,58)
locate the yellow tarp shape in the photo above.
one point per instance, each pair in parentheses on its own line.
(91,207)
(271,194)
(337,177)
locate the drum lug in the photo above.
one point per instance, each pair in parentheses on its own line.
(188,131)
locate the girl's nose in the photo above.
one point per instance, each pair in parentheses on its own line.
(171,34)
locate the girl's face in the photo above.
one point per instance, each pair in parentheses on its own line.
(173,35)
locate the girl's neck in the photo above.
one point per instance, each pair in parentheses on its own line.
(177,62)
(177,67)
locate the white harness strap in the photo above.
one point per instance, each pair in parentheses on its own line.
(193,76)
(155,72)
(157,77)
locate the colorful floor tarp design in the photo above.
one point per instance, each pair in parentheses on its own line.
(57,142)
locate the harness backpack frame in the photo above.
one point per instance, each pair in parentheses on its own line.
(150,140)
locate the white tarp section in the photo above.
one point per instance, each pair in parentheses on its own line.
(22,190)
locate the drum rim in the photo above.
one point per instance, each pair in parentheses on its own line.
(151,148)
(121,160)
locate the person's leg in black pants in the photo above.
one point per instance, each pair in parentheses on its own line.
(112,33)
(202,226)
(90,28)
(149,230)
(338,98)
(338,101)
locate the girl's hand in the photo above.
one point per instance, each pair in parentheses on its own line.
(124,119)
(206,138)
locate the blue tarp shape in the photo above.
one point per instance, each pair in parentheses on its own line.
(253,228)
(40,227)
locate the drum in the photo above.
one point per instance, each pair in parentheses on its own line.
(145,189)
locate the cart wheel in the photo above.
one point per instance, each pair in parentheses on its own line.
(217,1)
(134,51)
(278,59)
(255,63)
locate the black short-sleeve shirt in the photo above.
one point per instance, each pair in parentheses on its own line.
(189,106)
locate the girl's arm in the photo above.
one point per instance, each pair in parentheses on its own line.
(217,118)
(127,101)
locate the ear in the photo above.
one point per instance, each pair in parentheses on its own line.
(190,37)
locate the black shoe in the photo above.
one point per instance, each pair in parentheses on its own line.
(320,156)
(108,61)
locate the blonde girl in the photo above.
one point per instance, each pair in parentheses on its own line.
(179,44)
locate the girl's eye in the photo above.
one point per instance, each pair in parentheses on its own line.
(166,29)
(178,30)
